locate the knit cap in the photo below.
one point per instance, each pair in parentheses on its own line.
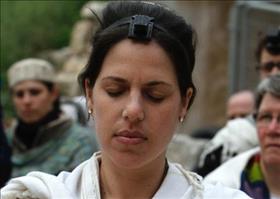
(30,69)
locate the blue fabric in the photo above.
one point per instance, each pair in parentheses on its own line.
(252,180)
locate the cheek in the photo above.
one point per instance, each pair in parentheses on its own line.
(18,105)
(263,74)
(261,135)
(47,101)
(16,102)
(164,121)
(105,115)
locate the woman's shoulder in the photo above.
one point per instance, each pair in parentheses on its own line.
(220,191)
(235,166)
(43,185)
(81,137)
(192,186)
(35,185)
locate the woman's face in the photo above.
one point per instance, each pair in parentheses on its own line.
(136,103)
(32,100)
(269,129)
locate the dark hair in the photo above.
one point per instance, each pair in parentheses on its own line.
(269,85)
(271,42)
(170,31)
(50,87)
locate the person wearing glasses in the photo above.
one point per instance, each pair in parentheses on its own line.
(43,138)
(257,171)
(268,54)
(239,135)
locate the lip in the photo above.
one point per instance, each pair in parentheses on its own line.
(272,145)
(27,112)
(129,137)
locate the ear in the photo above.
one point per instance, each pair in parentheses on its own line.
(89,92)
(54,93)
(186,101)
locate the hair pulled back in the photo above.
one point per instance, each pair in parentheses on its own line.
(269,85)
(176,37)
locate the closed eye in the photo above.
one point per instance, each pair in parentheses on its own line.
(154,98)
(114,93)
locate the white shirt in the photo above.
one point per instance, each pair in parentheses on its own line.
(83,182)
(272,196)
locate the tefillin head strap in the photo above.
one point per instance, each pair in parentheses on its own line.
(140,26)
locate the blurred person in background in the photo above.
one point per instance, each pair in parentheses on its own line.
(268,54)
(240,104)
(43,138)
(257,171)
(239,135)
(5,154)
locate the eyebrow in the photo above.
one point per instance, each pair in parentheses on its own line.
(123,81)
(155,83)
(114,78)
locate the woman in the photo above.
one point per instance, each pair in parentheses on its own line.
(257,171)
(43,138)
(231,139)
(138,85)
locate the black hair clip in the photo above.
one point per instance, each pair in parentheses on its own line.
(141,27)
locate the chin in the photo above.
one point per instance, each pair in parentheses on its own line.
(30,120)
(272,159)
(129,160)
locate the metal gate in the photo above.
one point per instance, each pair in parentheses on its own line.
(248,19)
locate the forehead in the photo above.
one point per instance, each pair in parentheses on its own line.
(26,84)
(270,102)
(148,59)
(267,57)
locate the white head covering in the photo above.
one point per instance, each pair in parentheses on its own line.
(30,69)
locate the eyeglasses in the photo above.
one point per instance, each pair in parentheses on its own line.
(264,119)
(268,66)
(241,115)
(32,92)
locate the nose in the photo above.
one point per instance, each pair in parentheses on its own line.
(134,110)
(26,98)
(274,125)
(275,70)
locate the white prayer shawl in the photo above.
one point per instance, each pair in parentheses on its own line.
(237,136)
(235,165)
(83,183)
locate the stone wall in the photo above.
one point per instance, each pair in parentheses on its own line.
(74,57)
(210,20)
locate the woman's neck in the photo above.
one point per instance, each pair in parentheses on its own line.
(272,177)
(136,183)
(27,132)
